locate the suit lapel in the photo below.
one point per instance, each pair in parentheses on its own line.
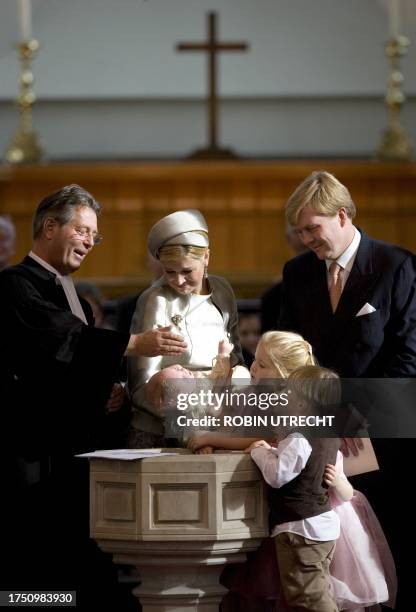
(360,282)
(316,292)
(356,292)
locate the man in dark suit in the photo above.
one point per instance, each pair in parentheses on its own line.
(354,299)
(372,330)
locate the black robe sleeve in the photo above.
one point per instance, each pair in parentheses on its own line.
(57,372)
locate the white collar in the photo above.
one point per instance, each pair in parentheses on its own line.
(346,259)
(67,285)
(44,264)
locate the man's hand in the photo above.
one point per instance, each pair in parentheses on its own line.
(155,342)
(353,445)
(258,444)
(116,399)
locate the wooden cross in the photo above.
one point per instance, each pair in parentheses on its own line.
(212,47)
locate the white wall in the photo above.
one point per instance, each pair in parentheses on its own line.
(110,84)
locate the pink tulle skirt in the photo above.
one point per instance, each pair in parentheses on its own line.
(362,570)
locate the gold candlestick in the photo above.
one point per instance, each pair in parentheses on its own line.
(395,143)
(24,147)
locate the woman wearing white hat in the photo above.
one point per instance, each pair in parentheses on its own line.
(201,308)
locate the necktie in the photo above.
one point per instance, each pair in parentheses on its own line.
(335,284)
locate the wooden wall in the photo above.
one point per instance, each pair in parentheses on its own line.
(243,202)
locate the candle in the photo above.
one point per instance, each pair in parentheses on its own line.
(394,18)
(25,19)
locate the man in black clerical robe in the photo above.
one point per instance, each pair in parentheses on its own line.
(57,375)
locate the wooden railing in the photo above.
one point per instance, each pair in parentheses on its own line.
(243,202)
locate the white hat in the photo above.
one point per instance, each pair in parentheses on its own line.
(180,228)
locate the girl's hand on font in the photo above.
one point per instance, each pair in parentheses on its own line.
(258,444)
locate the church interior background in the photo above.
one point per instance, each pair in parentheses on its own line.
(120,110)
(129,99)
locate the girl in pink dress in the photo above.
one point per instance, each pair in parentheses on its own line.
(362,570)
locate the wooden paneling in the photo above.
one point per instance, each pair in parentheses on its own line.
(243,202)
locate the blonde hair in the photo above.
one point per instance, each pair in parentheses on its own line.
(307,382)
(324,193)
(178,251)
(287,351)
(175,252)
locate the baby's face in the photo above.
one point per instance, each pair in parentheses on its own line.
(159,383)
(175,371)
(174,380)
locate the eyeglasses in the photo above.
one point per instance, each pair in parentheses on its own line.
(83,232)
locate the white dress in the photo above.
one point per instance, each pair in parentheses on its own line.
(203,320)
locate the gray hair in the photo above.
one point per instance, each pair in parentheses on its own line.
(7,225)
(61,206)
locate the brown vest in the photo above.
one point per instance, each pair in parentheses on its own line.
(306,495)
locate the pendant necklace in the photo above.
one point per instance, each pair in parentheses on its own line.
(177,318)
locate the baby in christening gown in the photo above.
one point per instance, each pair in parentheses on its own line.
(165,385)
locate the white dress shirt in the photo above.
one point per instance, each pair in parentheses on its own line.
(346,259)
(281,465)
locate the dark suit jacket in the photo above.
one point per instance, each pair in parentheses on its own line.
(271,301)
(379,344)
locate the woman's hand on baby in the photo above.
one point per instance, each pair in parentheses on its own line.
(257,444)
(331,475)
